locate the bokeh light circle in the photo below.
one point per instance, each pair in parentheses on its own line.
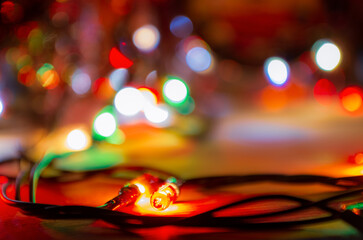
(351,99)
(81,82)
(198,59)
(175,90)
(146,38)
(277,71)
(118,78)
(181,26)
(77,140)
(129,101)
(327,56)
(156,114)
(105,124)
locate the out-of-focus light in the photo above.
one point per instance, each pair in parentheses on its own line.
(129,101)
(102,88)
(277,71)
(118,60)
(358,158)
(187,107)
(327,55)
(273,99)
(198,59)
(324,91)
(159,115)
(175,90)
(81,82)
(149,95)
(146,38)
(351,99)
(1,107)
(105,124)
(26,75)
(151,78)
(118,78)
(47,76)
(77,140)
(181,26)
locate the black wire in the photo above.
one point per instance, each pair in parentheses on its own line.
(203,219)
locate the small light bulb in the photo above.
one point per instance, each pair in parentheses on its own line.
(164,196)
(127,195)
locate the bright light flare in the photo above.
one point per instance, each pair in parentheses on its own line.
(146,38)
(105,124)
(198,59)
(175,90)
(140,187)
(327,55)
(77,140)
(277,71)
(129,101)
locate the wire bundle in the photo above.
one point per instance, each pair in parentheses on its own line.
(351,186)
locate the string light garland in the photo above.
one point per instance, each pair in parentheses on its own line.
(155,186)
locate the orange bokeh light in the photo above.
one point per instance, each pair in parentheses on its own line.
(351,99)
(50,79)
(358,158)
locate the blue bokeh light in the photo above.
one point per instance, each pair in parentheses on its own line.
(198,59)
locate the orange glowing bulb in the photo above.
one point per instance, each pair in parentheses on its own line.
(164,196)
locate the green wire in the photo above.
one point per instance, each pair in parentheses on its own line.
(47,159)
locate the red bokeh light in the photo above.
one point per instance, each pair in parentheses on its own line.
(118,60)
(324,91)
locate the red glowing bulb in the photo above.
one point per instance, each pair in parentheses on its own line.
(118,60)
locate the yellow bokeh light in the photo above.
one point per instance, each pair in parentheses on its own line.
(352,102)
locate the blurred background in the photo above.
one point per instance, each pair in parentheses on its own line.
(193,87)
(226,78)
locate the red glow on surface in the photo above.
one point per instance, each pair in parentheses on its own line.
(351,99)
(102,88)
(324,91)
(118,60)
